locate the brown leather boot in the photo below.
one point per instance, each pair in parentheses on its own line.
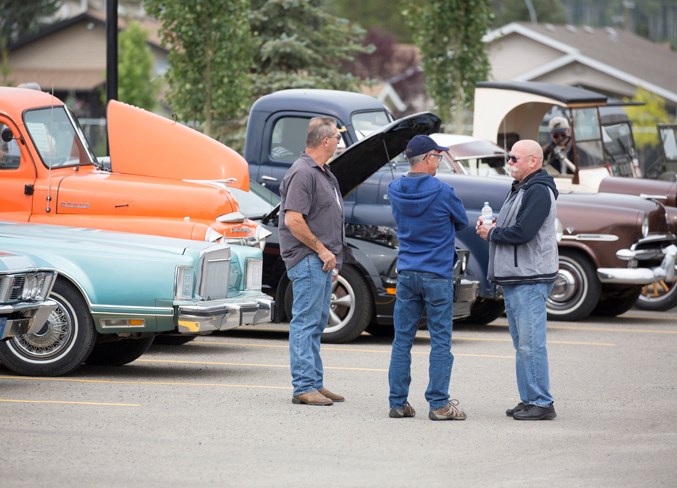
(312,398)
(332,396)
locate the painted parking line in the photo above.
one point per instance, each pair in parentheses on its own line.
(63,402)
(618,330)
(145,382)
(250,365)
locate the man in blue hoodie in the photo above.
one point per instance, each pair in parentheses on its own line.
(523,259)
(428,213)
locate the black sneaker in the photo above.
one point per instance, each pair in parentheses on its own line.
(402,412)
(534,412)
(517,408)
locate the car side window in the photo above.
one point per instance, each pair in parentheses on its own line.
(10,154)
(288,139)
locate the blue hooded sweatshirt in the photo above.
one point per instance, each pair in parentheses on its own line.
(428,213)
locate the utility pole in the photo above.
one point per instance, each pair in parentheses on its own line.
(111,50)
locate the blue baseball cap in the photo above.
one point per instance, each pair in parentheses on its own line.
(421,144)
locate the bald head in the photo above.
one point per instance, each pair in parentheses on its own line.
(527,146)
(528,158)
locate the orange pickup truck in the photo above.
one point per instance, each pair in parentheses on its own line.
(163,179)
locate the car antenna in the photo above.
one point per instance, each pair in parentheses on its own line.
(50,145)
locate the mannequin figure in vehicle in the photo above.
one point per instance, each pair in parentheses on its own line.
(558,154)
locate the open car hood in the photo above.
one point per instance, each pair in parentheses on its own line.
(359,161)
(145,144)
(364,158)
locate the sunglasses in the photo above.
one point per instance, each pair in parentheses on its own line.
(438,156)
(513,159)
(337,137)
(559,135)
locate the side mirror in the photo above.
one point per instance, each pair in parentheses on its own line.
(7,134)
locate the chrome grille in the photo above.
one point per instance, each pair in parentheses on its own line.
(214,273)
(17,287)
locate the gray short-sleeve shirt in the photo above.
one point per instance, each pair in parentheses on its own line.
(314,192)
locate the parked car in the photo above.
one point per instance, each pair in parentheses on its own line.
(116,291)
(363,297)
(24,292)
(162,178)
(594,226)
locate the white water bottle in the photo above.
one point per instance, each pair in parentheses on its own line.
(487,214)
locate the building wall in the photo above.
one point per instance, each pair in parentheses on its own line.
(514,54)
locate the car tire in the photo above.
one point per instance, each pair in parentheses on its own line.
(483,311)
(173,339)
(351,308)
(617,303)
(577,289)
(62,345)
(658,296)
(381,330)
(120,352)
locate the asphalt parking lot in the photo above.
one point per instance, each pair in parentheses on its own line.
(217,412)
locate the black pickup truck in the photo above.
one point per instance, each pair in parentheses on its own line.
(364,295)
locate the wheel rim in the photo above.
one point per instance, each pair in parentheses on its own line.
(657,291)
(342,306)
(53,340)
(567,292)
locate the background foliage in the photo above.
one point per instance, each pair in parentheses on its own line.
(136,85)
(209,59)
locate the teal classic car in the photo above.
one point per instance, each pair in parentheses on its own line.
(24,306)
(116,291)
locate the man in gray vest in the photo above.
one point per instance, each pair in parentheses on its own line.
(523,259)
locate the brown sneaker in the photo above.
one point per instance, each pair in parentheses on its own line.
(448,412)
(402,412)
(312,398)
(332,396)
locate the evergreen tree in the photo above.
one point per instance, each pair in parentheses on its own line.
(300,45)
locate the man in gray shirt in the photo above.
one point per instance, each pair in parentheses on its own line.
(311,243)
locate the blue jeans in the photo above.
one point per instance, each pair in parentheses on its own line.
(312,297)
(527,320)
(416,291)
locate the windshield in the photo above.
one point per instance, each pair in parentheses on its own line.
(366,123)
(256,203)
(587,134)
(57,137)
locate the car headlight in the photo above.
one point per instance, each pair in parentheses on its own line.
(184,283)
(645,226)
(253,273)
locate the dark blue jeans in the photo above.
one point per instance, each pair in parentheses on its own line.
(312,297)
(527,320)
(416,292)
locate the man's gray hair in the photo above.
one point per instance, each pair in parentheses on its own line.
(416,159)
(318,129)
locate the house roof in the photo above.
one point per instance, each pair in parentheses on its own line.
(150,25)
(616,53)
(62,68)
(61,79)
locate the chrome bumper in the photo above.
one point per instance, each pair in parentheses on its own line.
(215,315)
(24,318)
(642,276)
(465,293)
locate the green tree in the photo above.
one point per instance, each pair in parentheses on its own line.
(136,85)
(300,45)
(19,18)
(645,117)
(209,59)
(449,35)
